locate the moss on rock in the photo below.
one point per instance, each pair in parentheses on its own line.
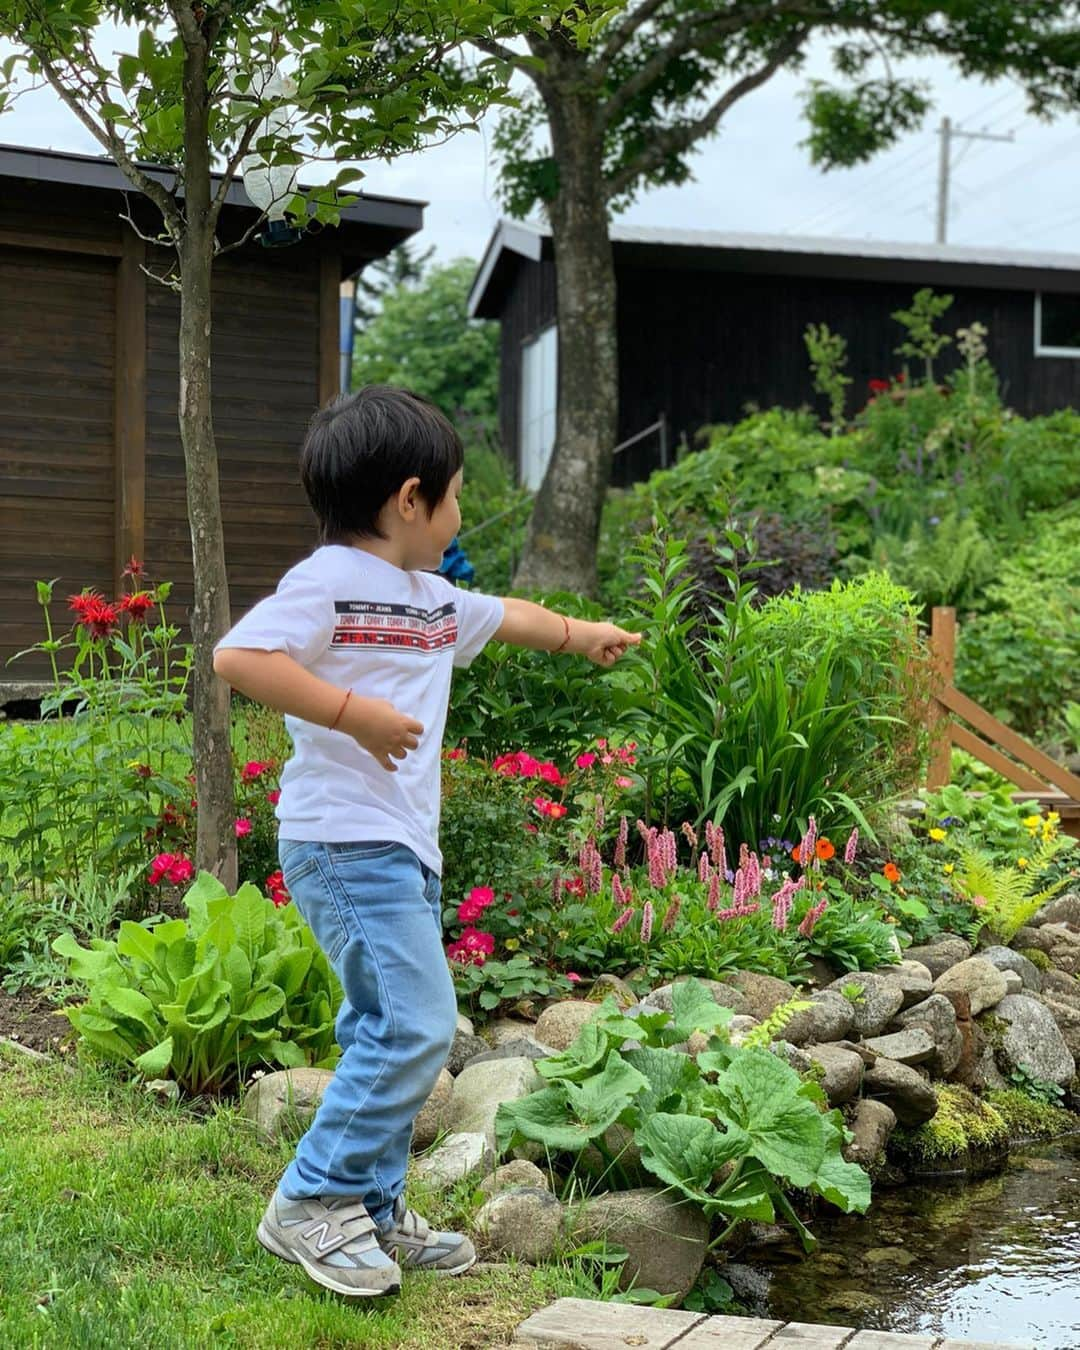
(1027,1119)
(1036,957)
(965,1134)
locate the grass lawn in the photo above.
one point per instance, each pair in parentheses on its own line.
(126,1222)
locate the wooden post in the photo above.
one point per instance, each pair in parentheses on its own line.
(943,657)
(329,320)
(130,406)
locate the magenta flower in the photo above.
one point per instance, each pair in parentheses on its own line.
(623,919)
(646,921)
(851,845)
(242,826)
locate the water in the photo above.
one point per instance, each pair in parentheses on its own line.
(995,1260)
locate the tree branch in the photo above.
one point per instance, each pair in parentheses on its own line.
(619,34)
(672,140)
(696,32)
(249,233)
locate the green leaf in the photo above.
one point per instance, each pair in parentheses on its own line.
(131,1003)
(264,1004)
(579,1059)
(687,1151)
(760,1094)
(601,1099)
(153,1063)
(843,1184)
(541,1116)
(288,1054)
(668,1073)
(694,1009)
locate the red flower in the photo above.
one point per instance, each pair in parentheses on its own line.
(624,782)
(879,386)
(134,567)
(575,886)
(472,948)
(550,774)
(254,768)
(478,899)
(243,826)
(274,797)
(94,613)
(553,810)
(516,765)
(143,770)
(457,753)
(585,761)
(276,888)
(573,977)
(172,867)
(891,872)
(137,605)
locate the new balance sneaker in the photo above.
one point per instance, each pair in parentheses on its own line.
(335,1240)
(410,1240)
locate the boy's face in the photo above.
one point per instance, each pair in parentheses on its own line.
(428,537)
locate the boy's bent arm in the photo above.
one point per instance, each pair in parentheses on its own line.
(526,624)
(275,679)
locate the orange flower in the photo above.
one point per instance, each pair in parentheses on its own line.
(891,872)
(825,850)
(795,855)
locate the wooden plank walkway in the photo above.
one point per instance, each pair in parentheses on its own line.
(582,1324)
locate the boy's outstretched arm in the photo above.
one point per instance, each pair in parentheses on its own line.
(275,679)
(528,625)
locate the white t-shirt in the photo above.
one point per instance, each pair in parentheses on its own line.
(364,624)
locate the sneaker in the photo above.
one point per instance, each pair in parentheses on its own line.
(336,1242)
(409,1239)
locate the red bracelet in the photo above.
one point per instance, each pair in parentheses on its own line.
(337,719)
(566,640)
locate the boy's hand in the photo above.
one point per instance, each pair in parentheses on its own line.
(383,731)
(604,643)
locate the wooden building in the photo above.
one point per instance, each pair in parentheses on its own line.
(710,322)
(91,465)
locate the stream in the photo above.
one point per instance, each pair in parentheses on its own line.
(996,1259)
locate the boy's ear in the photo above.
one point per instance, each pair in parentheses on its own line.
(408,496)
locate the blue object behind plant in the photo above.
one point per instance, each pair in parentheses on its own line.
(455,565)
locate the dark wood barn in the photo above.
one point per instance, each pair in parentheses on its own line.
(710,322)
(91,466)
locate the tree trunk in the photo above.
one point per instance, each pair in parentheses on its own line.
(560,550)
(215,847)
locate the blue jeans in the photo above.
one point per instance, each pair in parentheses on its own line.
(374,909)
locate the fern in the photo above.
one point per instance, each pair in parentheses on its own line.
(766,1032)
(1010,900)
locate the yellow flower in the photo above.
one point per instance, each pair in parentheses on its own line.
(1021,862)
(948,869)
(937,835)
(1053,817)
(1032,822)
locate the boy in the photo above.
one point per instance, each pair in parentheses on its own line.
(356,648)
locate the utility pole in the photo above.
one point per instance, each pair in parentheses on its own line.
(947,131)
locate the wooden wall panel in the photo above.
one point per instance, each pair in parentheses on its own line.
(266,386)
(57,350)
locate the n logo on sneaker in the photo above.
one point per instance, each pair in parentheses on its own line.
(321,1243)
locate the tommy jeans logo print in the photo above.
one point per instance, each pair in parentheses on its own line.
(365,623)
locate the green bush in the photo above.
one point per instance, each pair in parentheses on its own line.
(239,985)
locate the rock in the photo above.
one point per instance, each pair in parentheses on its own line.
(1033,1041)
(725,995)
(1062,909)
(874,1122)
(937,1016)
(1013,983)
(740,1026)
(434,1116)
(165,1089)
(882,998)
(1067,1018)
(857,1048)
(762,994)
(1065,988)
(1065,952)
(666,1237)
(457,1157)
(466,1044)
(502,1029)
(965,1025)
(913,978)
(526,1223)
(1028,937)
(843,1072)
(480,1088)
(523,1047)
(938,956)
(913,1045)
(830,1019)
(908,1093)
(558,1026)
(983,983)
(986,1076)
(514,1174)
(282,1104)
(798,1059)
(604,985)
(1006,959)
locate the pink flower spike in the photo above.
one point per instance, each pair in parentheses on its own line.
(851,845)
(647,921)
(704,867)
(671,915)
(620,846)
(623,919)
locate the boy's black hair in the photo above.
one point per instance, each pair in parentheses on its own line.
(359,450)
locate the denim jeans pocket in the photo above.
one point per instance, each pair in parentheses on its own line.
(314,897)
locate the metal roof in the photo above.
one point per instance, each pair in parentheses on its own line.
(781,254)
(98,171)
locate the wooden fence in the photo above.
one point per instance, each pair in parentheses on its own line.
(1038,778)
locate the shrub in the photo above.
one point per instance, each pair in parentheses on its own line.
(240,984)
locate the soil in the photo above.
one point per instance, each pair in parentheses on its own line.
(32,1019)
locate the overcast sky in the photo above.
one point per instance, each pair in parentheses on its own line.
(753,175)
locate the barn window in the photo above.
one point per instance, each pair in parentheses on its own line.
(1057,324)
(539,389)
